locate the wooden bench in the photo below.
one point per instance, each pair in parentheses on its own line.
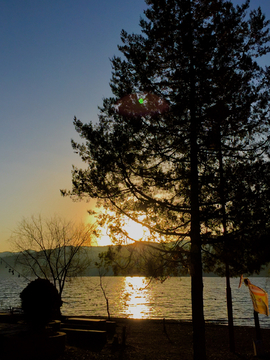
(83,323)
(93,340)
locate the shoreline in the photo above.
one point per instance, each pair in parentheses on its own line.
(218,322)
(157,339)
(163,339)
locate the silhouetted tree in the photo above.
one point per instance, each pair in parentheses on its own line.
(52,249)
(41,303)
(189,86)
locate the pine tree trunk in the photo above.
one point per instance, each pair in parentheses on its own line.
(199,349)
(196,260)
(195,255)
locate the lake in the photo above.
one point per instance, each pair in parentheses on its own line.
(134,297)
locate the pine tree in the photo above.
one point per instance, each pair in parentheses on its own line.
(189,85)
(247,212)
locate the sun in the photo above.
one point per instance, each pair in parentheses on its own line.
(134,230)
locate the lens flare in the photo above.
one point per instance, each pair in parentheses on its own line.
(143,104)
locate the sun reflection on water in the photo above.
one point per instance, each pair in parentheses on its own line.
(136,297)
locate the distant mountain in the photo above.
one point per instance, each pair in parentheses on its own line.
(6,253)
(8,266)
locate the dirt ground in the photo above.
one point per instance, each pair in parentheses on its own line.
(150,339)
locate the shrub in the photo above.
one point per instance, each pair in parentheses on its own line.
(41,303)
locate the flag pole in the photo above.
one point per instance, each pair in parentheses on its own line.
(258,343)
(257,326)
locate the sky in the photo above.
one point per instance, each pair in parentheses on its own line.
(54,65)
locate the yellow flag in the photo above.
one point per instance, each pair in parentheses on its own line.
(259,298)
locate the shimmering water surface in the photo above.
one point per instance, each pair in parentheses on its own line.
(134,297)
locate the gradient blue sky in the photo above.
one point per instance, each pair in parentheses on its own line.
(54,64)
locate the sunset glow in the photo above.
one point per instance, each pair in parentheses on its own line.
(104,240)
(134,230)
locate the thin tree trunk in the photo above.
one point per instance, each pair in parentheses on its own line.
(230,309)
(105,296)
(227,269)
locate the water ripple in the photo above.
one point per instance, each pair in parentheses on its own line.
(131,297)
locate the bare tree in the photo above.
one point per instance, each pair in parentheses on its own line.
(53,249)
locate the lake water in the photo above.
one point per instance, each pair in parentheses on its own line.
(133,297)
